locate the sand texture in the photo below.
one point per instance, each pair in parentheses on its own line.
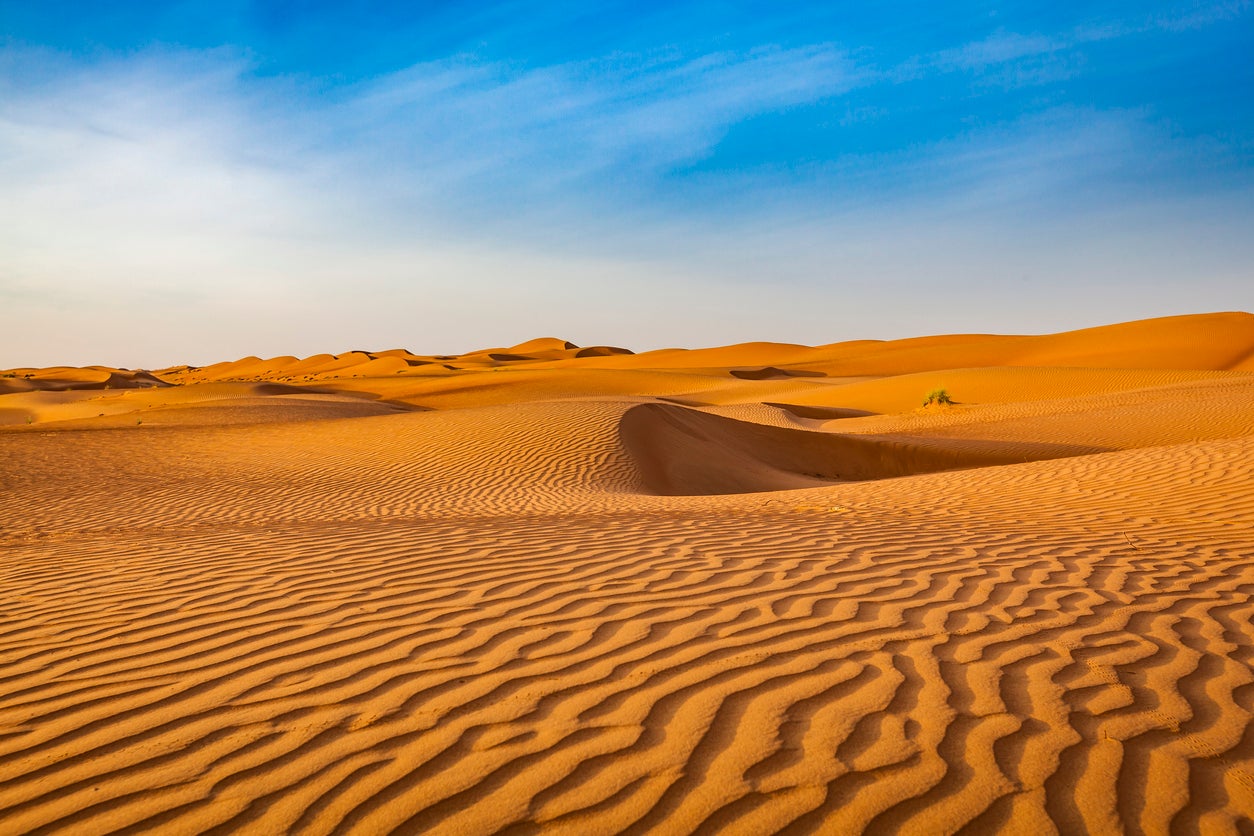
(546,587)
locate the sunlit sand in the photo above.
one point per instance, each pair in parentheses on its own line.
(544,586)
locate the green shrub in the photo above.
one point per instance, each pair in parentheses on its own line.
(938,396)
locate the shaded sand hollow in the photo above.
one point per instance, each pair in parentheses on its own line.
(572,589)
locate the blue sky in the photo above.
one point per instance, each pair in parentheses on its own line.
(193,181)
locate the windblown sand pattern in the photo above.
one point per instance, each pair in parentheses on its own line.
(583,591)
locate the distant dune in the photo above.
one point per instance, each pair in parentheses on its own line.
(744,589)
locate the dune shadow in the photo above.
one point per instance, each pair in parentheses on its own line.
(683,452)
(773,373)
(684,401)
(602,351)
(820,413)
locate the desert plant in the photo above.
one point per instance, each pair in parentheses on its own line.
(938,396)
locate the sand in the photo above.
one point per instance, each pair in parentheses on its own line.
(746,589)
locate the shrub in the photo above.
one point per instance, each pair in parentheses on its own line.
(938,396)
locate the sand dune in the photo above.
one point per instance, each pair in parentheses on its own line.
(772,373)
(597,592)
(210,404)
(684,451)
(66,379)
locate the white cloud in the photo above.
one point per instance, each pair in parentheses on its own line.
(997,48)
(458,119)
(142,174)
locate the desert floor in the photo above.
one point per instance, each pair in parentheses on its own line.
(743,589)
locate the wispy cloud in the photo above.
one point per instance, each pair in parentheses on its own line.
(1032,58)
(552,128)
(1195,15)
(998,48)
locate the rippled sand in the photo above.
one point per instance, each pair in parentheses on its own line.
(746,589)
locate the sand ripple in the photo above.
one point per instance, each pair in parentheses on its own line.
(749,668)
(1033,614)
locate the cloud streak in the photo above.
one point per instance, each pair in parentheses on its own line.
(553,129)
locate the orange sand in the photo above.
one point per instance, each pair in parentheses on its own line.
(742,589)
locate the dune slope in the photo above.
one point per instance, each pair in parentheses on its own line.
(685,451)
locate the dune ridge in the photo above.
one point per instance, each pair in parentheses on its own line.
(615,593)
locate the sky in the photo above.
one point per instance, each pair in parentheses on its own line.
(192,181)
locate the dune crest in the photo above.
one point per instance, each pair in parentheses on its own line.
(582,590)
